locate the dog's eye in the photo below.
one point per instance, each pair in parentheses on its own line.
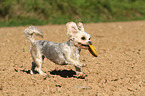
(83,38)
(89,38)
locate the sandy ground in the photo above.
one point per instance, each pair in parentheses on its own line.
(119,69)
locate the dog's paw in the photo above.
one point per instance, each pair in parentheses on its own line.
(82,65)
(33,72)
(80,75)
(42,73)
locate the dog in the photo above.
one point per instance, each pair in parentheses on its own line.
(59,53)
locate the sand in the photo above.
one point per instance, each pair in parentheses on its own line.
(119,69)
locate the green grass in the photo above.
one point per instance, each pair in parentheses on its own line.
(41,12)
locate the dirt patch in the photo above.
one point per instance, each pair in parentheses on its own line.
(119,69)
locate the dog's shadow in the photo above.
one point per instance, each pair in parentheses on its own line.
(63,73)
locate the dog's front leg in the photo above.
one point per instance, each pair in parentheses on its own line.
(79,73)
(74,62)
(78,68)
(77,65)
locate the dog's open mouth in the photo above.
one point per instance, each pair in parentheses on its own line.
(83,45)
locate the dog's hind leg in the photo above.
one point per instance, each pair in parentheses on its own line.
(33,68)
(37,60)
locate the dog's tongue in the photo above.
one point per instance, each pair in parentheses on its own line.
(92,50)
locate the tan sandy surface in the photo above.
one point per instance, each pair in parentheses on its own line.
(119,69)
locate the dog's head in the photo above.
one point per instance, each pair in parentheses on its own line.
(77,34)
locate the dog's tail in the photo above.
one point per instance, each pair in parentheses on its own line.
(29,33)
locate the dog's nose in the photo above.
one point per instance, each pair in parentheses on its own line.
(90,42)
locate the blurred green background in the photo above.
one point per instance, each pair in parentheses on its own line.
(41,12)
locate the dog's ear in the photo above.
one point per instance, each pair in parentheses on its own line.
(72,29)
(80,26)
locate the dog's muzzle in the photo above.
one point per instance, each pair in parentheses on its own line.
(90,42)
